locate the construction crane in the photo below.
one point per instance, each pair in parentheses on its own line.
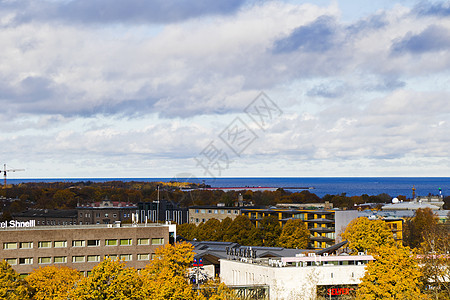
(6,171)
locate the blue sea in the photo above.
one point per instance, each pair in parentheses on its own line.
(351,186)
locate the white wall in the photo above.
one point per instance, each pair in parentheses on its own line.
(289,282)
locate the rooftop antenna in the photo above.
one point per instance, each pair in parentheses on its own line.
(6,171)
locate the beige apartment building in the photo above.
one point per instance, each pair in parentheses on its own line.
(199,214)
(80,247)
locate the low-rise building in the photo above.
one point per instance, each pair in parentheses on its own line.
(26,247)
(199,214)
(48,217)
(325,225)
(162,211)
(299,277)
(105,212)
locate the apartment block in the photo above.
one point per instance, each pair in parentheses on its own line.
(80,247)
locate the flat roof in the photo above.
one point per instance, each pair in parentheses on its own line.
(94,226)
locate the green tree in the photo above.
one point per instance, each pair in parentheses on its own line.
(364,234)
(295,234)
(11,286)
(52,282)
(187,230)
(110,280)
(268,232)
(209,231)
(241,231)
(394,274)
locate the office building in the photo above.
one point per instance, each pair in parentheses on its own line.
(105,212)
(162,211)
(300,277)
(26,247)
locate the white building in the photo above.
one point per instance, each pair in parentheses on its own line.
(301,277)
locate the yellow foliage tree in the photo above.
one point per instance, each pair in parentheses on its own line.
(110,280)
(364,234)
(11,286)
(166,275)
(214,290)
(394,274)
(295,234)
(52,282)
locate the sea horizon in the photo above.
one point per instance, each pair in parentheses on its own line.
(351,186)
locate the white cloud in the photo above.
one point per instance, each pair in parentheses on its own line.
(123,95)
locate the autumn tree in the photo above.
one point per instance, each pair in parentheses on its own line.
(394,274)
(187,230)
(215,290)
(166,275)
(241,231)
(423,223)
(434,261)
(209,231)
(110,279)
(11,286)
(268,232)
(295,234)
(52,282)
(364,234)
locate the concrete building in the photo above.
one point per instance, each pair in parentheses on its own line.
(79,247)
(48,217)
(105,212)
(199,214)
(324,225)
(300,277)
(163,211)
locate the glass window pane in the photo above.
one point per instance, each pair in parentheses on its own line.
(111,242)
(157,241)
(59,259)
(8,246)
(45,244)
(44,260)
(125,242)
(143,241)
(60,244)
(93,258)
(78,259)
(26,245)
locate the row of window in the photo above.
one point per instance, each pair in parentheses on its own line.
(82,243)
(216,211)
(106,215)
(75,259)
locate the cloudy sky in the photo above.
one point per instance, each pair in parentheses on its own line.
(155,88)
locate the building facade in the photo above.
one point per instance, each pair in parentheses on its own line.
(300,277)
(325,225)
(105,212)
(80,247)
(199,214)
(163,211)
(48,217)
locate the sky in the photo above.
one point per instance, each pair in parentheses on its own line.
(224,88)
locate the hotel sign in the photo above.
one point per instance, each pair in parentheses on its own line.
(17,224)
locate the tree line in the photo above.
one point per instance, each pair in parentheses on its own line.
(241,230)
(66,195)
